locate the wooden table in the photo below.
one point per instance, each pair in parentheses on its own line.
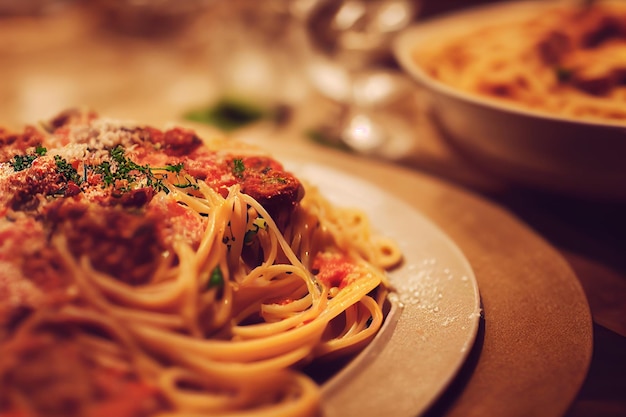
(546,265)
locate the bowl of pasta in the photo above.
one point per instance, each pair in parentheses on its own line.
(533,91)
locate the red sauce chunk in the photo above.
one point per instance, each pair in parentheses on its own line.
(333,269)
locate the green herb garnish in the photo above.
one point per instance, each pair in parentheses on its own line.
(22,162)
(119,168)
(228,114)
(216,279)
(126,170)
(327,139)
(238,168)
(188,184)
(40,150)
(172,168)
(257,224)
(67,170)
(563,75)
(277,180)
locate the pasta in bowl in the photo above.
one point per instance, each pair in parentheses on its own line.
(534,91)
(148,272)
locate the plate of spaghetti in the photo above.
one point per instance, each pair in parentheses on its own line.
(149,272)
(533,88)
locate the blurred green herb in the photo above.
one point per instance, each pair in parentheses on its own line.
(228,114)
(563,75)
(321,138)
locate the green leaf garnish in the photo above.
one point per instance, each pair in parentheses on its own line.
(172,168)
(257,224)
(238,168)
(129,171)
(67,170)
(216,279)
(563,74)
(22,162)
(118,168)
(228,114)
(40,150)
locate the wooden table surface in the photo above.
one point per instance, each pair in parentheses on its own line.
(546,264)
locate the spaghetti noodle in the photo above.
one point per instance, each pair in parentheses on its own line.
(148,273)
(565,60)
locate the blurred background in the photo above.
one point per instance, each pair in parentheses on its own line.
(318,70)
(130,53)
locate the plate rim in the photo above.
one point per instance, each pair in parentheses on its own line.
(382,340)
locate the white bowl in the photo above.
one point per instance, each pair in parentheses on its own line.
(554,153)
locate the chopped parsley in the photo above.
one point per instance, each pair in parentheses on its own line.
(125,170)
(216,279)
(238,168)
(120,168)
(277,180)
(253,229)
(22,162)
(40,150)
(120,171)
(68,172)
